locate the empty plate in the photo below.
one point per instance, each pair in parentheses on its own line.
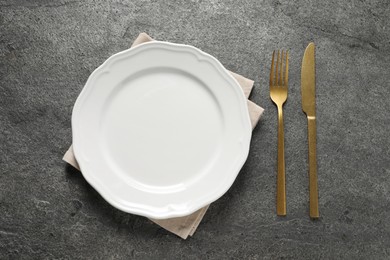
(161,130)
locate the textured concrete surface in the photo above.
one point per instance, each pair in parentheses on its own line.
(49,48)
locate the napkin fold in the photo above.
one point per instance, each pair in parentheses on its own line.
(187,225)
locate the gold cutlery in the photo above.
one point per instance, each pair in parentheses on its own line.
(308,86)
(278,83)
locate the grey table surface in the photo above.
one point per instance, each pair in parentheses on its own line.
(49,48)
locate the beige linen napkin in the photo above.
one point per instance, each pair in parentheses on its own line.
(186,226)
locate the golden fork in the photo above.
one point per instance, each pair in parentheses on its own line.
(278,82)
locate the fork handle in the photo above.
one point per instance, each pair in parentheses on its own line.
(313,186)
(281,177)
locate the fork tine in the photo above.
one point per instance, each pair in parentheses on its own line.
(286,73)
(271,75)
(276,72)
(281,70)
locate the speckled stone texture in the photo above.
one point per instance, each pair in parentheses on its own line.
(49,48)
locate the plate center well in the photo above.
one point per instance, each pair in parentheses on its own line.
(161,127)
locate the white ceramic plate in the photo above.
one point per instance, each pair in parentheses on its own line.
(161,130)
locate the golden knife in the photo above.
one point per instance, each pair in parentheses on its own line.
(308,85)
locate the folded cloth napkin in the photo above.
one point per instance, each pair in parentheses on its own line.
(186,226)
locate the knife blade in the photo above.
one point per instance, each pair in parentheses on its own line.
(308,86)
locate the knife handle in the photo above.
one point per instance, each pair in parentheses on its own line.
(313,186)
(281,177)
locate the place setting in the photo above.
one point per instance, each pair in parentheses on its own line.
(162,130)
